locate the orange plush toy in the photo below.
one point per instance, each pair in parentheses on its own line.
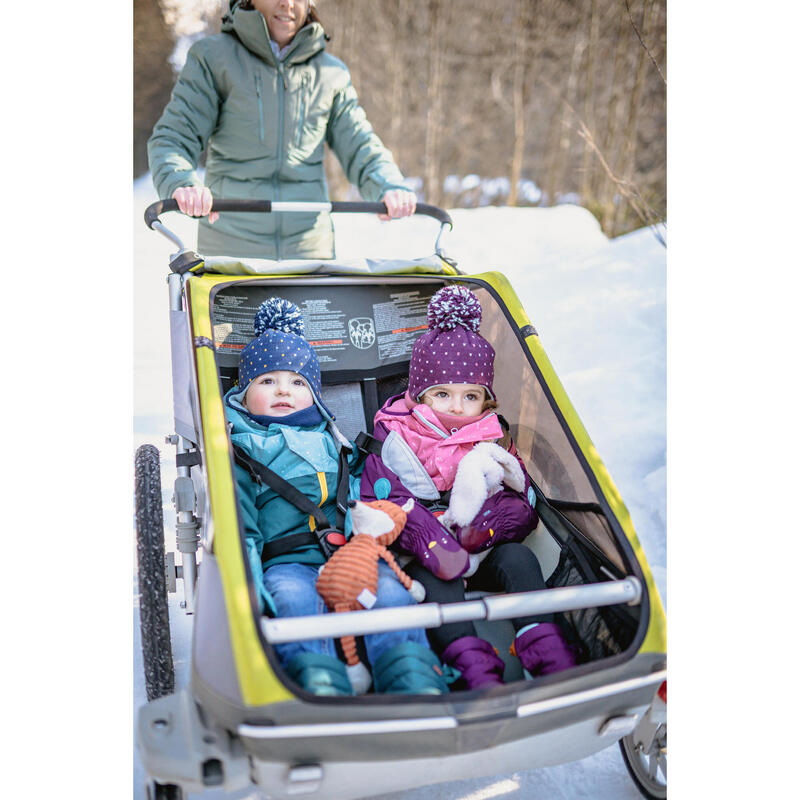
(349,580)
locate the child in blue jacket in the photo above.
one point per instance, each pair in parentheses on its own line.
(277,418)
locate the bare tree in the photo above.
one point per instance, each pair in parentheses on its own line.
(569,95)
(436,28)
(152,75)
(521,25)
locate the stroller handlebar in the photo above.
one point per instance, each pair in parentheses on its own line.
(152,212)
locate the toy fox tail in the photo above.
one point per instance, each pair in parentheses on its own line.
(349,650)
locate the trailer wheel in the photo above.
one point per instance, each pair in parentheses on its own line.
(647,768)
(163,791)
(159,672)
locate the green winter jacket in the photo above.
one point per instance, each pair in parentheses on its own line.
(307,458)
(265,123)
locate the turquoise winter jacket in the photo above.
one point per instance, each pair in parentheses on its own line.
(307,458)
(265,122)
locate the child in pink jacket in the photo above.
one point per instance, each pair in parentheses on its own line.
(444,445)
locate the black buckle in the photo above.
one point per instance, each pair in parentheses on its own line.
(185,261)
(330,540)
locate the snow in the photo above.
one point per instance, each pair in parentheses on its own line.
(599,308)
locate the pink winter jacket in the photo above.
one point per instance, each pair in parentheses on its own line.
(506,516)
(440,451)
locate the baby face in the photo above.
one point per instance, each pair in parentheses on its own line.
(460,399)
(277,394)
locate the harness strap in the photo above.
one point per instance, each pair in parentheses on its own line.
(265,476)
(287,544)
(436,505)
(327,540)
(367,444)
(343,488)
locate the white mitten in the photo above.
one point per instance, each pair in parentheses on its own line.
(360,679)
(417,591)
(479,475)
(512,471)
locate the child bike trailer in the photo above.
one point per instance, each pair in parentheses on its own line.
(241,721)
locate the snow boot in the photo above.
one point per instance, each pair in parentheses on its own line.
(320,674)
(476,660)
(409,668)
(542,649)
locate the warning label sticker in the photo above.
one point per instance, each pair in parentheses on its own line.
(326,328)
(399,322)
(350,327)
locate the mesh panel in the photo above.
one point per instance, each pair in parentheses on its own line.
(598,632)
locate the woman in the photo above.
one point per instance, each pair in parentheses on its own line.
(264,96)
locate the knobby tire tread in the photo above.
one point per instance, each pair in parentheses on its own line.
(153,606)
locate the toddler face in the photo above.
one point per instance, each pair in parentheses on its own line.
(277,394)
(460,399)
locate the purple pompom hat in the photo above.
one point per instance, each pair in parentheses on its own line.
(451,350)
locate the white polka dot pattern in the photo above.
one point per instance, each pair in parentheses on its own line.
(452,350)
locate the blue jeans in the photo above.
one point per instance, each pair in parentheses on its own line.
(293,588)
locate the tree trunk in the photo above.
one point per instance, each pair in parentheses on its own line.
(628,161)
(518,152)
(561,137)
(589,102)
(610,143)
(399,78)
(152,75)
(436,26)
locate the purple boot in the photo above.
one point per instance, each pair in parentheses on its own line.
(476,660)
(543,649)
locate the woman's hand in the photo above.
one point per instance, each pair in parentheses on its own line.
(399,203)
(196,201)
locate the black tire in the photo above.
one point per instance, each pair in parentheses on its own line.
(648,770)
(159,673)
(163,791)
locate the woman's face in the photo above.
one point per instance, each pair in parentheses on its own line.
(284,18)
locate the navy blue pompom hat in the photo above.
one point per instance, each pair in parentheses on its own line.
(280,345)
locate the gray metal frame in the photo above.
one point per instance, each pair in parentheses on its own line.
(432,615)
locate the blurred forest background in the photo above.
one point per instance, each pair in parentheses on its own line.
(513,102)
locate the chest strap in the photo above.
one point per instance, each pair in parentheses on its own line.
(331,537)
(367,444)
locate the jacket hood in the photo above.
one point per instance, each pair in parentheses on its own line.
(250,28)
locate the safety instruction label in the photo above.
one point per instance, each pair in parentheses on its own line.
(399,322)
(350,327)
(237,329)
(326,328)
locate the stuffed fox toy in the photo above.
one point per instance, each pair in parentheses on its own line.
(349,580)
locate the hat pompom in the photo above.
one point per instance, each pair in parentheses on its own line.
(452,306)
(278,314)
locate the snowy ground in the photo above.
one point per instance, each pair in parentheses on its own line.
(599,308)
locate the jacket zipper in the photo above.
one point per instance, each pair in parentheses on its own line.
(260,108)
(302,119)
(430,424)
(281,104)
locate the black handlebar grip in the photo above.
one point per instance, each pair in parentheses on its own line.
(154,210)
